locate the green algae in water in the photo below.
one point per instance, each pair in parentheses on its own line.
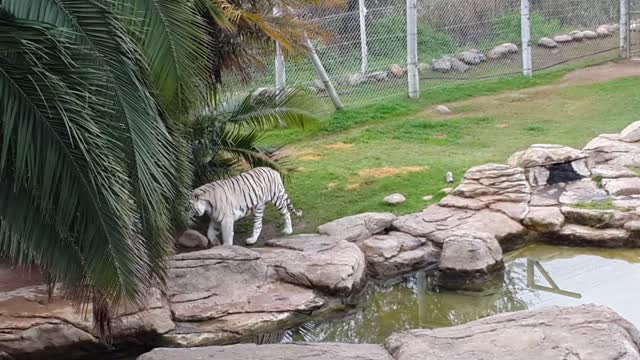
(535,276)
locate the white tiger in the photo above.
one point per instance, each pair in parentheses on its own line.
(226,201)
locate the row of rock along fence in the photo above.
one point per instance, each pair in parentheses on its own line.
(365,48)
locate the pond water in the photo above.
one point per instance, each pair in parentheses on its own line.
(535,276)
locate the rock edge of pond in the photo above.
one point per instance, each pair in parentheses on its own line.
(228,294)
(583,332)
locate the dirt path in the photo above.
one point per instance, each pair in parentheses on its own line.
(601,73)
(530,98)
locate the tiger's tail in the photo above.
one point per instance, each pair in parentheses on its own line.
(293,210)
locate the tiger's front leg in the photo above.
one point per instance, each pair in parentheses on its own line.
(227,231)
(212,233)
(258,214)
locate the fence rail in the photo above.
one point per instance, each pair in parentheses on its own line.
(372,44)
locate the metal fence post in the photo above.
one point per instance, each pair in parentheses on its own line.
(624,29)
(363,37)
(412,50)
(281,76)
(527,65)
(322,74)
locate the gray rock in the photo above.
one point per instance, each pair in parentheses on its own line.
(436,223)
(441,109)
(446,190)
(335,267)
(397,71)
(590,34)
(394,199)
(467,258)
(496,186)
(547,43)
(515,210)
(545,154)
(210,308)
(544,219)
(583,192)
(316,351)
(554,333)
(358,227)
(441,65)
(626,202)
(611,150)
(612,218)
(423,68)
(612,172)
(547,195)
(470,57)
(560,39)
(579,235)
(428,198)
(503,50)
(398,253)
(31,324)
(622,186)
(373,77)
(577,35)
(631,133)
(604,31)
(458,66)
(193,239)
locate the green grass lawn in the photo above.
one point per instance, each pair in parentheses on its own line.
(360,155)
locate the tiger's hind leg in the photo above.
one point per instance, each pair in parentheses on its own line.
(258,214)
(282,205)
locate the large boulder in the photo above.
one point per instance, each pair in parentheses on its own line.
(563,38)
(550,164)
(333,266)
(470,57)
(588,34)
(547,43)
(544,219)
(631,133)
(227,293)
(579,235)
(33,327)
(611,150)
(596,218)
(622,186)
(583,192)
(554,333)
(321,351)
(193,239)
(495,186)
(436,223)
(577,35)
(503,50)
(612,172)
(468,259)
(358,227)
(398,253)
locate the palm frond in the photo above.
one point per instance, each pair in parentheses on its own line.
(174,39)
(58,143)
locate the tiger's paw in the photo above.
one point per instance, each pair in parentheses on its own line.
(250,241)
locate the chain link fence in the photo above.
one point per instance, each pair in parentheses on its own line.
(458,41)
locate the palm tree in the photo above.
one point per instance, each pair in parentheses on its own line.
(227,137)
(92,162)
(95,159)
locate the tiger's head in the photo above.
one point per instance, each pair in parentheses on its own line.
(199,207)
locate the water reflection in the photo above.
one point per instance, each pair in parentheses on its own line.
(535,276)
